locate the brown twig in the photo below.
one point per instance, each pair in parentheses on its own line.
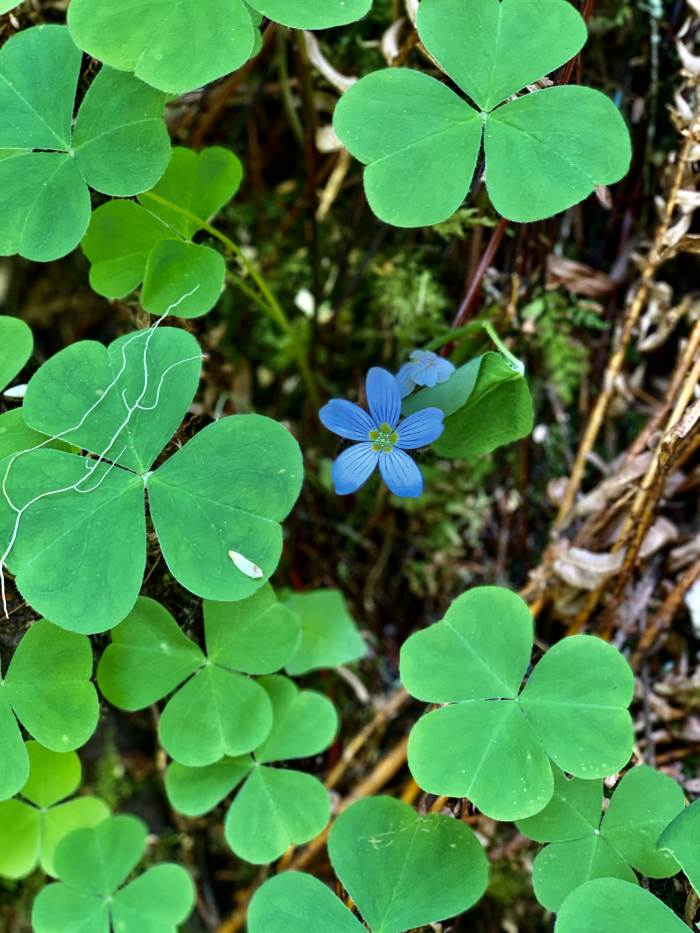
(631,317)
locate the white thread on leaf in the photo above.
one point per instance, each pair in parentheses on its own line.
(91,465)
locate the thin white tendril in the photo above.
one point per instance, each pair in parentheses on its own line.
(92,464)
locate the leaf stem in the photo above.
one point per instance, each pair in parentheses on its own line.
(268,302)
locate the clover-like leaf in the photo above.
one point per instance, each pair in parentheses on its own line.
(118,145)
(329,635)
(171,46)
(680,838)
(403,870)
(16,345)
(293,902)
(92,865)
(275,807)
(72,529)
(543,152)
(217,710)
(487,404)
(609,905)
(150,243)
(492,742)
(584,846)
(32,825)
(230,487)
(47,688)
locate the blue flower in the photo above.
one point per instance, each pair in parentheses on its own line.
(383,437)
(424,369)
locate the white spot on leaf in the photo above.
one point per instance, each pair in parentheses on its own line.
(246,566)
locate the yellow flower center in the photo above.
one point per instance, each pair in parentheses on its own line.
(383,439)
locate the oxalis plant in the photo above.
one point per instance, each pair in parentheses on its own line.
(122,404)
(543,151)
(105,485)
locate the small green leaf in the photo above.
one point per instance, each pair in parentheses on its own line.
(304,722)
(196,791)
(408,128)
(257,635)
(329,636)
(680,838)
(118,243)
(219,712)
(275,809)
(228,488)
(563,866)
(199,182)
(542,156)
(464,657)
(573,812)
(20,839)
(169,47)
(643,804)
(296,903)
(16,345)
(148,658)
(577,699)
(608,905)
(53,776)
(120,141)
(158,900)
(493,48)
(403,870)
(175,268)
(47,686)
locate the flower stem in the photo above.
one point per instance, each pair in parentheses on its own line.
(266,299)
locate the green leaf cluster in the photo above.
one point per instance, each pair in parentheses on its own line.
(117,144)
(543,151)
(216,709)
(92,865)
(76,526)
(274,808)
(32,825)
(178,47)
(150,245)
(584,846)
(486,403)
(495,742)
(401,870)
(47,688)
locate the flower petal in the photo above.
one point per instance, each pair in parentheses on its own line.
(420,429)
(383,396)
(347,420)
(405,380)
(401,474)
(353,467)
